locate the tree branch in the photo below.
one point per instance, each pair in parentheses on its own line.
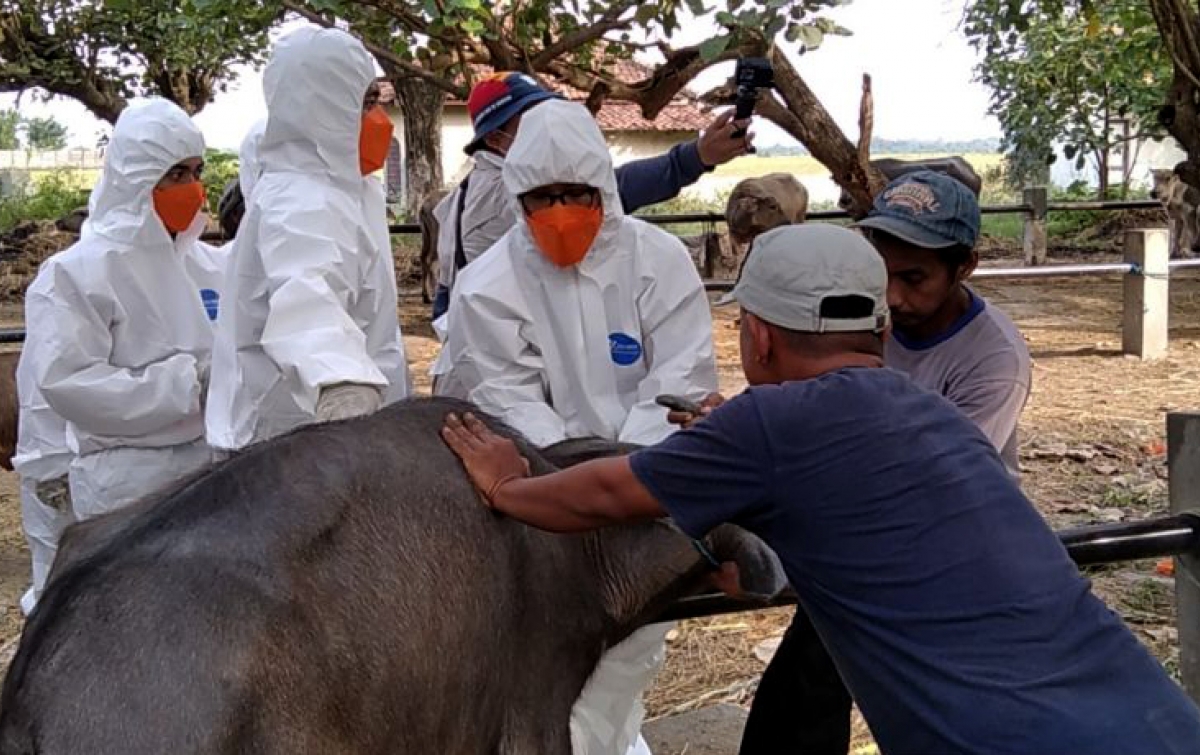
(866,122)
(655,92)
(596,97)
(1166,17)
(609,21)
(805,118)
(386,57)
(33,54)
(410,21)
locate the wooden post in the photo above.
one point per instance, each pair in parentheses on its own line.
(1183,471)
(1144,327)
(1035,225)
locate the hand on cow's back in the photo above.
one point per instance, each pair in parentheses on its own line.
(490,460)
(585,497)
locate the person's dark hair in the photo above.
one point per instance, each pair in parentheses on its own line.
(952,257)
(230,209)
(955,256)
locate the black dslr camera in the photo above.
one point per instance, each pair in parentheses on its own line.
(751,75)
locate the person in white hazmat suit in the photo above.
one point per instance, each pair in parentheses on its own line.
(42,461)
(249,167)
(311,331)
(571,326)
(120,324)
(233,201)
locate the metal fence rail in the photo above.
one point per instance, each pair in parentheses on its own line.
(1043,271)
(1088,546)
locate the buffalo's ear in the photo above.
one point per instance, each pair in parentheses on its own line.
(568,453)
(760,573)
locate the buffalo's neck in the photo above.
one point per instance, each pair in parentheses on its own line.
(641,569)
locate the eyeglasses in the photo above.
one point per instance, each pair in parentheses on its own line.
(576,196)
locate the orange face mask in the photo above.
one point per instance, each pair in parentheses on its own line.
(374,140)
(565,233)
(177,205)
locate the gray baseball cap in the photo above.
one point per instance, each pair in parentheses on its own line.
(792,270)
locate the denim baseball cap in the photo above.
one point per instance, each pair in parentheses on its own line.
(793,269)
(927,209)
(497,99)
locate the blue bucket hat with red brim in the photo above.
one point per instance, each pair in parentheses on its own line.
(499,98)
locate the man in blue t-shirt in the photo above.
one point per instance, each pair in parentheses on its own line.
(945,338)
(953,613)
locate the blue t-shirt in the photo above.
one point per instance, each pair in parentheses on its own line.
(953,612)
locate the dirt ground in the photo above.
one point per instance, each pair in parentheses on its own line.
(1092,450)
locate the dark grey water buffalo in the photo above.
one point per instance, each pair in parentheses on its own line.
(338,590)
(955,167)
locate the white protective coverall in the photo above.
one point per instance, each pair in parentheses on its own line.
(583,351)
(121,323)
(312,286)
(487,215)
(249,166)
(42,455)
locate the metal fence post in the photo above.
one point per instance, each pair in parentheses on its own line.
(1183,471)
(1035,225)
(1144,327)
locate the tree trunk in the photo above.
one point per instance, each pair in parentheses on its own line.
(421,105)
(1104,153)
(191,90)
(807,119)
(1179,24)
(1182,119)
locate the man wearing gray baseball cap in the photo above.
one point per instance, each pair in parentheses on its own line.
(951,610)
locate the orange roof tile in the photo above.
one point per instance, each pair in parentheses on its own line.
(682,114)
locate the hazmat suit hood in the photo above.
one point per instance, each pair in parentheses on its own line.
(150,137)
(314,86)
(249,164)
(559,142)
(310,292)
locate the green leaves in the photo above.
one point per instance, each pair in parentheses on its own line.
(1062,71)
(711,49)
(10,123)
(102,52)
(45,133)
(41,133)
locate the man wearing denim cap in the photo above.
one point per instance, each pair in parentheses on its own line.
(952,611)
(474,217)
(946,337)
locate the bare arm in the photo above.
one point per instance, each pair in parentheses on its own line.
(584,497)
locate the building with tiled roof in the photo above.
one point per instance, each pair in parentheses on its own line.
(629,135)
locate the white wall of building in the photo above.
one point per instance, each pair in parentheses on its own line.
(78,158)
(1147,155)
(457,134)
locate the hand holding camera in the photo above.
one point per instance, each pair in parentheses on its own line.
(750,76)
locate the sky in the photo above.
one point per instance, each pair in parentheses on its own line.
(920,64)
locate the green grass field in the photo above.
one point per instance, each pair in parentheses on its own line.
(806,165)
